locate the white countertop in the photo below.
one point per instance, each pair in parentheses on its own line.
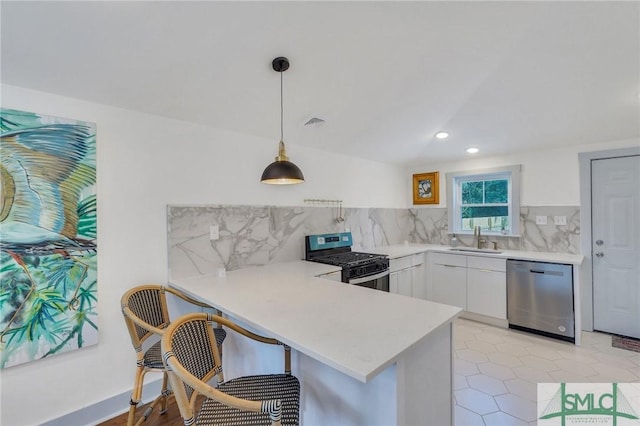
(355,330)
(400,250)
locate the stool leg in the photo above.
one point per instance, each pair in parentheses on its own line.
(163,405)
(136,394)
(161,399)
(132,413)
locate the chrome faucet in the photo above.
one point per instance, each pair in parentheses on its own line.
(477,233)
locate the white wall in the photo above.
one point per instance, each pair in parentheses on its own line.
(549,177)
(144,163)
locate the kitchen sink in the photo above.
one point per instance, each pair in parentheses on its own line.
(475,250)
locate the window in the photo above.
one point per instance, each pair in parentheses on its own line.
(487,198)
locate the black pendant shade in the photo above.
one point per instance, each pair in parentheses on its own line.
(282,171)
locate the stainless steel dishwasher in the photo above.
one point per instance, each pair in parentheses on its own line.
(540,298)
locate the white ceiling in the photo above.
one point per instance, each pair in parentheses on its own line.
(500,76)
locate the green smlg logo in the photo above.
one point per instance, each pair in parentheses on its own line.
(588,404)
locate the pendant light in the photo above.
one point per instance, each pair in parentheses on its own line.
(282,171)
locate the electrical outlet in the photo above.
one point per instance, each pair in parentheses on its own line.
(214,232)
(559,220)
(541,220)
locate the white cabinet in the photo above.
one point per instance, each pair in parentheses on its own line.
(419,280)
(407,276)
(475,283)
(487,286)
(449,279)
(400,282)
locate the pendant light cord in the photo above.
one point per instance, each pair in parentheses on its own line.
(281,110)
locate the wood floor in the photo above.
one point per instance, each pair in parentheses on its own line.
(170,418)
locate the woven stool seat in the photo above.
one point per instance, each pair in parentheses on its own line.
(153,356)
(284,387)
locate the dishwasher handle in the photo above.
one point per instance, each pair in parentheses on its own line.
(540,271)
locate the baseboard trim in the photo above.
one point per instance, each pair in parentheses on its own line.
(107,408)
(502,323)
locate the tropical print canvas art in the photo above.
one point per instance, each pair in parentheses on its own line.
(48,236)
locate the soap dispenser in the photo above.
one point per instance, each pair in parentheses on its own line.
(454,241)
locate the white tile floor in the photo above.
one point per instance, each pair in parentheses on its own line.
(496,370)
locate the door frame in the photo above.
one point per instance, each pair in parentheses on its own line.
(585,159)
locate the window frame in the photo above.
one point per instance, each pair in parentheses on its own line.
(454,198)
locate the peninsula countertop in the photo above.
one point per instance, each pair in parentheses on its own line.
(352,329)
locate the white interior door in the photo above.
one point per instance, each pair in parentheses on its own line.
(615,184)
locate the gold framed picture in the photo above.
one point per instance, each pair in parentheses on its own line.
(425,188)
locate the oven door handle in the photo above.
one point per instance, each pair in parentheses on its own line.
(369,278)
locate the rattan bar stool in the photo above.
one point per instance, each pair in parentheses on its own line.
(192,358)
(146,315)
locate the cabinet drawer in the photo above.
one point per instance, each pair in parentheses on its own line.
(489,263)
(449,259)
(405,262)
(417,259)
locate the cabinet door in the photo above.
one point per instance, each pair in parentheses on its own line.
(449,285)
(400,282)
(419,282)
(393,283)
(487,292)
(405,282)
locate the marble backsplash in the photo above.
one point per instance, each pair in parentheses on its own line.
(258,235)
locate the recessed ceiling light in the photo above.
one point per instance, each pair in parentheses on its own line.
(472,150)
(442,135)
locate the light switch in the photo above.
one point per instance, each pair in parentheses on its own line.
(559,220)
(541,220)
(214,233)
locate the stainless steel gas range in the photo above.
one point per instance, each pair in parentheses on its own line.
(361,269)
